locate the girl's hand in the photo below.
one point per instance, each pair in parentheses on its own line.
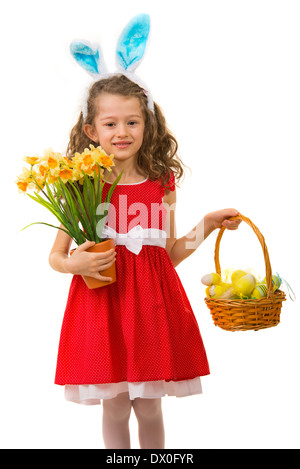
(90,263)
(220,218)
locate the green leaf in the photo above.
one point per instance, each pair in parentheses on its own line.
(91,196)
(89,203)
(103,216)
(84,218)
(48,224)
(112,188)
(63,207)
(69,203)
(49,207)
(72,206)
(60,216)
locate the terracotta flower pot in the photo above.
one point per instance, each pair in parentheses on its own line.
(91,282)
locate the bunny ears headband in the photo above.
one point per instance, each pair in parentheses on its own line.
(130,50)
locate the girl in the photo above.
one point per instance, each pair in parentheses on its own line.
(131,342)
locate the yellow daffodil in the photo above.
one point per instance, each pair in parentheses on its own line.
(51,161)
(26,180)
(32,160)
(54,171)
(66,174)
(39,183)
(99,156)
(52,178)
(22,185)
(52,165)
(106,161)
(89,159)
(43,170)
(67,162)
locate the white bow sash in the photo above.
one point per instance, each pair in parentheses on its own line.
(136,237)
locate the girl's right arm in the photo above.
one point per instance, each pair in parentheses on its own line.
(81,262)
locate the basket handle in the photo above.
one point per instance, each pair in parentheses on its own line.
(263,245)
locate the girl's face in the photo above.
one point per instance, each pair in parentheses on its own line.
(119,126)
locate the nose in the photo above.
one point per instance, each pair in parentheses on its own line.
(121,130)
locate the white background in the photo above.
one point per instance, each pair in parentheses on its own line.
(227,75)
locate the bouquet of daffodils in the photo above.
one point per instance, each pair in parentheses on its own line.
(71,189)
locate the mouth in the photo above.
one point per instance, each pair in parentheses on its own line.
(122,145)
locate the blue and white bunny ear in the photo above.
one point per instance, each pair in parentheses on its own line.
(89,57)
(132,43)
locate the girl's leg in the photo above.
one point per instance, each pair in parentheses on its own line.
(115,422)
(151,426)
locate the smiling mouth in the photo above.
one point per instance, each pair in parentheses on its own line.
(122,144)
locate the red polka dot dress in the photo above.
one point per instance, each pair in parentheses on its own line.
(138,335)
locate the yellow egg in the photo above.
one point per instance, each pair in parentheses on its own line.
(237,274)
(211,290)
(228,293)
(211,279)
(260,291)
(245,285)
(218,291)
(224,291)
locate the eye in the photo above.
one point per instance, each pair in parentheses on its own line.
(132,122)
(109,124)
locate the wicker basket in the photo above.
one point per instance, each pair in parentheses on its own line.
(252,314)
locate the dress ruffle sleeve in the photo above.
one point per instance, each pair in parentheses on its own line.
(170,184)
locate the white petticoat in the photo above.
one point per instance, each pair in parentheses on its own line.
(91,394)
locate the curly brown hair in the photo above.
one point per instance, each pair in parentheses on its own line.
(158,154)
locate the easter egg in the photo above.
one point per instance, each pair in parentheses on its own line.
(218,291)
(236,275)
(215,291)
(228,293)
(223,291)
(276,281)
(211,279)
(245,285)
(260,291)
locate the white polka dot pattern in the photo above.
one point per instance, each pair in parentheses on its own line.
(138,329)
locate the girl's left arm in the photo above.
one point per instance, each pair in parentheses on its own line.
(180,249)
